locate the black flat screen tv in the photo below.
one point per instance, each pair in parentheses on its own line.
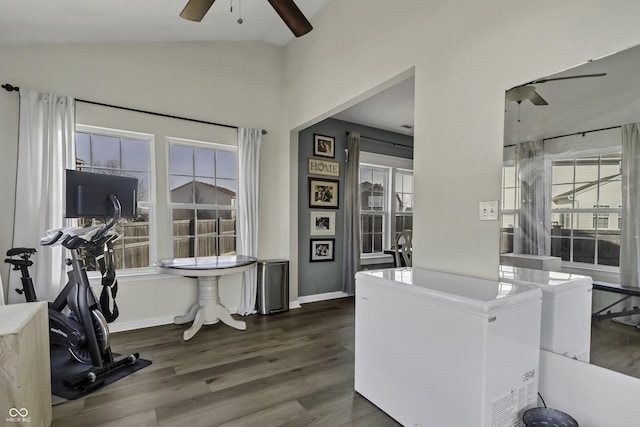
(87,195)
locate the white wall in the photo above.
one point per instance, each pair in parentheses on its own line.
(466,54)
(233,83)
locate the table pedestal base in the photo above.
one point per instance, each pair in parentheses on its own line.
(207,311)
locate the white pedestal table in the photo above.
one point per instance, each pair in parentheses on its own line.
(208,310)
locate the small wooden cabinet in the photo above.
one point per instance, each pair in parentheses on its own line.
(25,376)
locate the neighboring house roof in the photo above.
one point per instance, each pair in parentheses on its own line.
(566,196)
(200,184)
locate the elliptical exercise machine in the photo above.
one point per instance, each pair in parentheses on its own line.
(83,331)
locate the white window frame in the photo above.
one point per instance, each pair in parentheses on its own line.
(391,164)
(595,211)
(171,205)
(151,205)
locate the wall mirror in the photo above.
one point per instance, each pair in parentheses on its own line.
(571,206)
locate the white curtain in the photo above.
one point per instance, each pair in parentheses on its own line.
(45,149)
(630,229)
(249,141)
(1,293)
(351,239)
(532,236)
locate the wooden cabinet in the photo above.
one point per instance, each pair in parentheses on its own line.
(25,378)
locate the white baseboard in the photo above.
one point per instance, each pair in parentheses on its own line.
(140,324)
(148,323)
(322,297)
(167,320)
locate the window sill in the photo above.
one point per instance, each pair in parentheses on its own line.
(127,277)
(372,259)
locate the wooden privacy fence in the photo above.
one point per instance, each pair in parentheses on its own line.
(132,250)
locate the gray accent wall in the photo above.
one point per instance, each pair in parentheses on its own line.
(324,277)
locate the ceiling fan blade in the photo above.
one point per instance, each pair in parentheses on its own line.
(292,16)
(583,76)
(195,10)
(521,93)
(536,99)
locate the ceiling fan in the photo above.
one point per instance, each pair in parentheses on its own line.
(287,9)
(528,91)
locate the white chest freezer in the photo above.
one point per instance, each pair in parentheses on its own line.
(566,309)
(436,349)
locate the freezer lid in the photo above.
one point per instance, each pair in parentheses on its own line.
(548,281)
(470,293)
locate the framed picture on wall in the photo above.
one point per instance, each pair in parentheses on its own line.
(324,146)
(323,223)
(322,250)
(323,193)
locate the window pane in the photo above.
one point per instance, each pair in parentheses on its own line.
(204,160)
(586,170)
(182,189)
(366,224)
(377,224)
(135,155)
(508,221)
(206,246)
(183,222)
(205,191)
(509,176)
(407,202)
(609,248)
(562,172)
(583,225)
(366,244)
(611,192)
(509,198)
(131,253)
(506,243)
(584,250)
(180,160)
(106,151)
(379,177)
(225,164)
(561,247)
(377,243)
(83,149)
(562,196)
(586,195)
(143,185)
(226,192)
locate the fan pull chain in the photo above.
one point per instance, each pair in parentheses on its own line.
(519,102)
(239,10)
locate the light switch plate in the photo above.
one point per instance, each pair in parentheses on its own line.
(488,211)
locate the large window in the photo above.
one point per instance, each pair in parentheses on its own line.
(585,204)
(403,202)
(585,228)
(386,201)
(373,208)
(122,153)
(203,185)
(510,206)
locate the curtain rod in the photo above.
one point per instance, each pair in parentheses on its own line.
(395,144)
(583,133)
(11,88)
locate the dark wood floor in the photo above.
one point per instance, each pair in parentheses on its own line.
(288,369)
(616,346)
